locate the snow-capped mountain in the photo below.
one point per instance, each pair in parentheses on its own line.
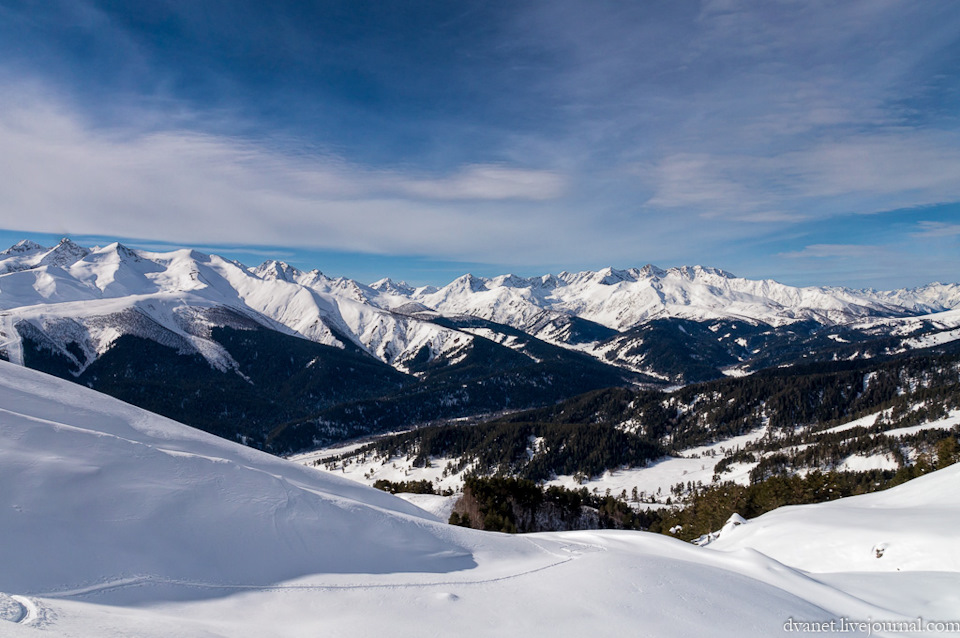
(91,297)
(249,343)
(70,290)
(625,299)
(133,322)
(120,522)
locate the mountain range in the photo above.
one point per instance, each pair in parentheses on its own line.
(286,359)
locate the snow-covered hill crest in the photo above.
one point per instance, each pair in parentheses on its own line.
(907,528)
(98,490)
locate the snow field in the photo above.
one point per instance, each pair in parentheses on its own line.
(126,523)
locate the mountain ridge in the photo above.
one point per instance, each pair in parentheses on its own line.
(475,346)
(591,311)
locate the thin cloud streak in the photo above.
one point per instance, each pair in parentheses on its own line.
(937,229)
(833,251)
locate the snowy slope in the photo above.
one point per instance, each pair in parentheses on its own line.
(146,497)
(911,527)
(119,522)
(930,329)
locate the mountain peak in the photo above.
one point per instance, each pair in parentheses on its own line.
(273,269)
(66,243)
(511,281)
(388,285)
(693,272)
(548,281)
(64,254)
(122,251)
(610,276)
(469,282)
(651,272)
(24,246)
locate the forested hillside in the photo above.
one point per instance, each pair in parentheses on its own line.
(782,436)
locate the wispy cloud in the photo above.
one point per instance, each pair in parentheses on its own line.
(834,251)
(862,173)
(937,229)
(489,182)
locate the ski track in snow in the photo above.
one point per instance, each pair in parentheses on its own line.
(574,550)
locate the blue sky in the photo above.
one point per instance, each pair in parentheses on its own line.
(810,142)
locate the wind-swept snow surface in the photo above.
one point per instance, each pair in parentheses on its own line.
(116,522)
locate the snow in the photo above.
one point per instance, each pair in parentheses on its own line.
(120,522)
(309,458)
(64,448)
(951,421)
(511,341)
(948,423)
(860,463)
(864,422)
(935,339)
(622,299)
(654,479)
(915,523)
(736,372)
(695,465)
(115,521)
(395,469)
(940,319)
(10,339)
(439,506)
(17,609)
